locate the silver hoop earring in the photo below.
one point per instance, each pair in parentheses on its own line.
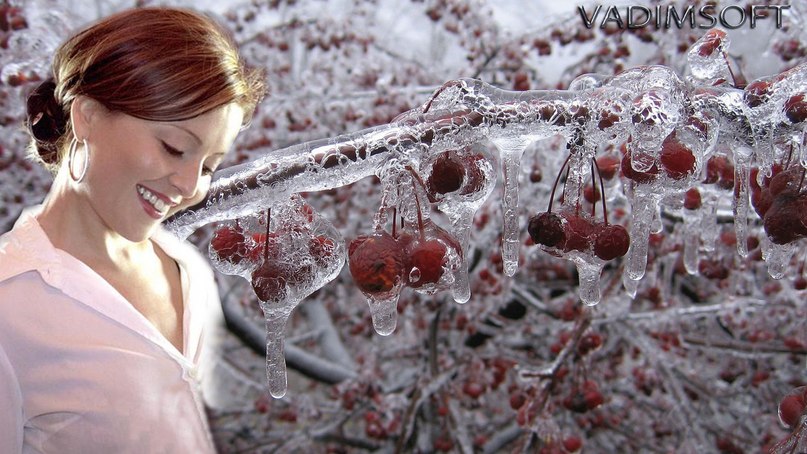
(71,155)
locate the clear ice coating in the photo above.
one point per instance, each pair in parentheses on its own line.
(744,145)
(286,253)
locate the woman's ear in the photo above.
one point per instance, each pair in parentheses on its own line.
(84,115)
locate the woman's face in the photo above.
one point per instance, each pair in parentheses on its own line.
(141,172)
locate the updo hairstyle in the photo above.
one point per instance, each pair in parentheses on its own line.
(159,64)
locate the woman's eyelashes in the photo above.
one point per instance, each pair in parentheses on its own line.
(206,171)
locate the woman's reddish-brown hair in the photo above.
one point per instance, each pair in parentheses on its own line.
(160,64)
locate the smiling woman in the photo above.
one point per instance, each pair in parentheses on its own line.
(102,313)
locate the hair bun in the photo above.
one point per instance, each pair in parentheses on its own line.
(46,120)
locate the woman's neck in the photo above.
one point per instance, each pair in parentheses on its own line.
(73,225)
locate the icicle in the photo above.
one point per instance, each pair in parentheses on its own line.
(384,312)
(588,271)
(692,220)
(631,286)
(657,226)
(777,256)
(642,209)
(461,223)
(511,150)
(709,228)
(275,357)
(742,171)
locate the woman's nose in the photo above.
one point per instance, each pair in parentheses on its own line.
(186,179)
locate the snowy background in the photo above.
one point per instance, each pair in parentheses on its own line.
(693,363)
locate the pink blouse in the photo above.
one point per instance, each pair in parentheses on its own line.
(81,370)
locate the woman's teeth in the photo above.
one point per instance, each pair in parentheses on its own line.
(158,204)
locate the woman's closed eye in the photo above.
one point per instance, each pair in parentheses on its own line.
(206,171)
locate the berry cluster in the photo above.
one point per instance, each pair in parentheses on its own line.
(780,202)
(583,398)
(572,230)
(381,263)
(278,263)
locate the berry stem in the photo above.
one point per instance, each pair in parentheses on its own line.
(417,204)
(742,83)
(555,185)
(602,191)
(416,179)
(266,240)
(394,221)
(593,190)
(789,156)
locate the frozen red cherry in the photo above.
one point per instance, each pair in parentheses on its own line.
(796,108)
(676,158)
(757,93)
(782,221)
(788,181)
(578,231)
(584,398)
(647,176)
(612,241)
(608,165)
(710,42)
(547,229)
(269,282)
(692,199)
(426,262)
(376,263)
(229,244)
(588,343)
(447,174)
(792,407)
(321,248)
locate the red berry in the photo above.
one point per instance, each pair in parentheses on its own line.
(761,198)
(792,407)
(692,199)
(572,444)
(377,263)
(428,257)
(447,174)
(710,41)
(547,229)
(648,176)
(787,181)
(796,108)
(591,194)
(589,343)
(229,244)
(321,248)
(473,389)
(783,221)
(269,282)
(608,165)
(676,158)
(578,231)
(443,444)
(608,118)
(612,241)
(517,400)
(719,168)
(757,93)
